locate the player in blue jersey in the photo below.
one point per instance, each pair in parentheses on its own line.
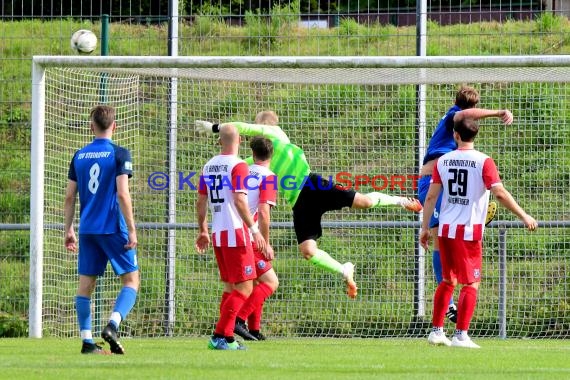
(99,172)
(442,142)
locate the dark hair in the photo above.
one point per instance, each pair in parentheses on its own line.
(102,116)
(261,147)
(466,97)
(467,129)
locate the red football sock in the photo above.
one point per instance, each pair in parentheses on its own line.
(441,298)
(230,308)
(225,296)
(254,319)
(255,301)
(466,307)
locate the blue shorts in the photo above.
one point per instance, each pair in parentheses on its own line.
(96,250)
(423,187)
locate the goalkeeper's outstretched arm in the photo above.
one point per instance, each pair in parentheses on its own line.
(272,132)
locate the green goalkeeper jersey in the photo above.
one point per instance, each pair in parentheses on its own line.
(288,163)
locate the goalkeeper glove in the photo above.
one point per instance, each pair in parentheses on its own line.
(206,127)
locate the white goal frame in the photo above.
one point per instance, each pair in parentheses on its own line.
(41,63)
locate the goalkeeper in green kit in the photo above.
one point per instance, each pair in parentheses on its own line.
(309,194)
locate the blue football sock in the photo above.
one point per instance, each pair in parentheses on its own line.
(83,308)
(125,301)
(437,269)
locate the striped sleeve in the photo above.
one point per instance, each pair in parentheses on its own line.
(490,173)
(435,177)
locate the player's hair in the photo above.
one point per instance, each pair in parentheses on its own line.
(261,147)
(466,97)
(267,118)
(102,116)
(467,129)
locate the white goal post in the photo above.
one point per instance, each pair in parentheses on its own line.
(351,115)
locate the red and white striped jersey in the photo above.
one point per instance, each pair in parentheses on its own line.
(222,176)
(466,175)
(262,188)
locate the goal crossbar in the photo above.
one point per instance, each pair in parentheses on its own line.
(306,61)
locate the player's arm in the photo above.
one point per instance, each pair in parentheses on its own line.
(272,132)
(245,129)
(263,220)
(242,207)
(506,199)
(239,175)
(202,213)
(481,113)
(267,199)
(124,170)
(69,213)
(203,239)
(429,206)
(493,182)
(126,205)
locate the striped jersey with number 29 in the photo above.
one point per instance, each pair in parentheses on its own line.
(466,175)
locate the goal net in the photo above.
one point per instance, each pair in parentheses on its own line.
(365,120)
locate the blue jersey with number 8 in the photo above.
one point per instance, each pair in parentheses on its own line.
(95,168)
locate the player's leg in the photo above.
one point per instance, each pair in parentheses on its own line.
(307,225)
(91,262)
(124,264)
(451,313)
(319,258)
(423,187)
(468,273)
(242,316)
(83,308)
(225,294)
(376,199)
(218,341)
(252,309)
(265,285)
(234,263)
(234,302)
(312,202)
(465,310)
(270,283)
(323,260)
(442,295)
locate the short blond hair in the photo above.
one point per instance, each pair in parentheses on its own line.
(267,118)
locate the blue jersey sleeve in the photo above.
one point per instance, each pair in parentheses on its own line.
(441,141)
(123,161)
(71,174)
(449,121)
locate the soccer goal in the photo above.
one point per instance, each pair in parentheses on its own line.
(362,119)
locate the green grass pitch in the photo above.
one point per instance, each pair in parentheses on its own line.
(287,359)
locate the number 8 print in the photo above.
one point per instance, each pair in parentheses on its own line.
(94,172)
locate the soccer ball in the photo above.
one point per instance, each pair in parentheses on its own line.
(84,41)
